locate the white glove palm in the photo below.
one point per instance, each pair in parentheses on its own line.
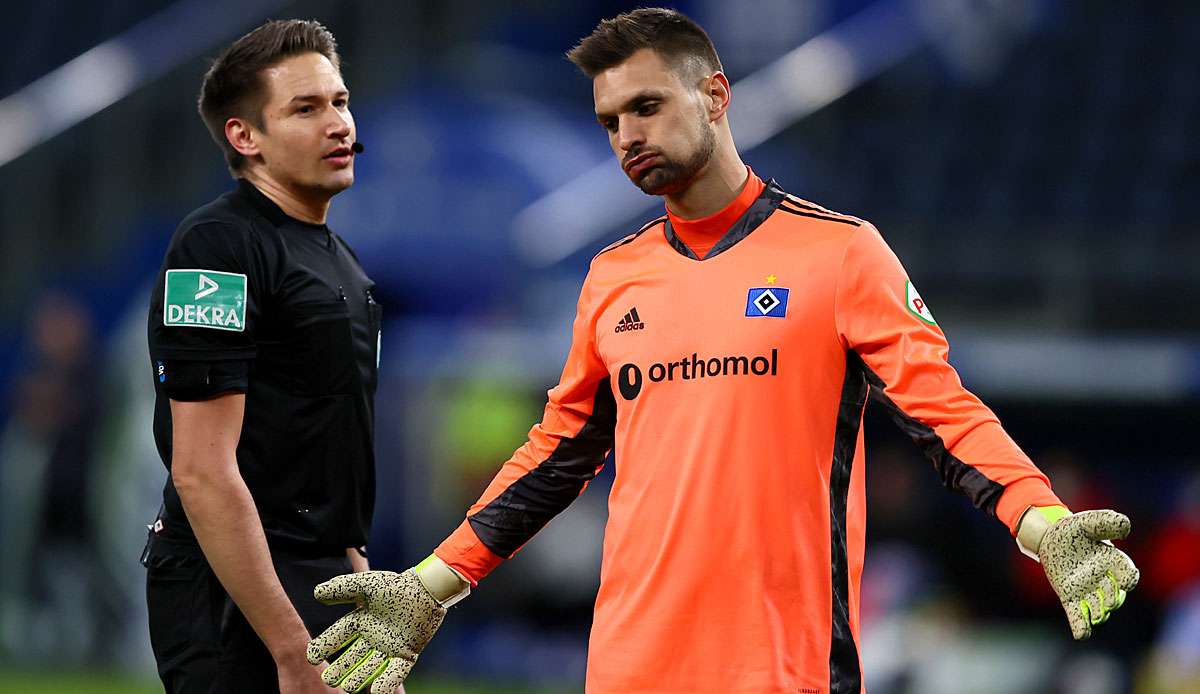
(395,619)
(1090,576)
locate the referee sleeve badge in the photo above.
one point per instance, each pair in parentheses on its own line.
(205,299)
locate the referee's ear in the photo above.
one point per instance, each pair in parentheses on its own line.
(241,137)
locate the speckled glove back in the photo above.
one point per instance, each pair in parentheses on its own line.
(396,617)
(1090,576)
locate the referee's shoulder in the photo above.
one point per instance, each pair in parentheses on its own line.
(630,241)
(217,230)
(221,218)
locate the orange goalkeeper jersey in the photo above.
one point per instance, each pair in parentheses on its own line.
(732,388)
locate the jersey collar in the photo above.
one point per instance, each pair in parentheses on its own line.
(750,220)
(267,207)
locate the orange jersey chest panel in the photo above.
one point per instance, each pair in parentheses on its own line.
(732,390)
(726,425)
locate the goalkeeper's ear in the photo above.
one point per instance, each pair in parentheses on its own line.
(1033,526)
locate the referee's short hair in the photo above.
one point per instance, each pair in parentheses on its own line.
(233,86)
(680,41)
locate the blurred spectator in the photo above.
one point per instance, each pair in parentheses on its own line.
(1173,564)
(485,419)
(1173,664)
(1089,672)
(47,596)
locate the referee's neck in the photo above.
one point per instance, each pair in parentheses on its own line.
(293,205)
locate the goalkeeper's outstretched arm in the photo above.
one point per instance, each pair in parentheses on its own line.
(399,613)
(903,355)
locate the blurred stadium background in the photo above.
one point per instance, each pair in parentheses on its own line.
(1035,164)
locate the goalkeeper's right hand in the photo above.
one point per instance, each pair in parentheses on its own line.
(397,615)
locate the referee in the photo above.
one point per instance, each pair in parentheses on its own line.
(264,338)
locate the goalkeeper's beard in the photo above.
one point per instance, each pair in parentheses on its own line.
(672,177)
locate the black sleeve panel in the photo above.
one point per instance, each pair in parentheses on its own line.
(961,477)
(517,514)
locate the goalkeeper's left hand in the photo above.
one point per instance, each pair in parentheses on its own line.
(1090,576)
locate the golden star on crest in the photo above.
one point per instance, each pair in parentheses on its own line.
(771,279)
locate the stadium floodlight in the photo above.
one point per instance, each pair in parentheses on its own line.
(109,72)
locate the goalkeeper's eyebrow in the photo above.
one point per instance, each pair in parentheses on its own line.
(632,103)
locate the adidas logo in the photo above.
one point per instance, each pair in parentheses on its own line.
(631,321)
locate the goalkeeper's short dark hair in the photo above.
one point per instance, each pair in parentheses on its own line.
(233,86)
(681,42)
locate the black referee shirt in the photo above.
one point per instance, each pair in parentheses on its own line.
(250,300)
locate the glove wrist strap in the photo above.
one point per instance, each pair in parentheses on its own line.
(443,583)
(1033,526)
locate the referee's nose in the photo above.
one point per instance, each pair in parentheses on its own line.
(341,126)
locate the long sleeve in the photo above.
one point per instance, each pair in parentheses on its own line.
(882,318)
(564,452)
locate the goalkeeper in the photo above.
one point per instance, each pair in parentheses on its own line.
(726,351)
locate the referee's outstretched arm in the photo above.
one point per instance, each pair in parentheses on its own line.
(226,523)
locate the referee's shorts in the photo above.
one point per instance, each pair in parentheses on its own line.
(202,642)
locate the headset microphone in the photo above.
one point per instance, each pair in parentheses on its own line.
(357,147)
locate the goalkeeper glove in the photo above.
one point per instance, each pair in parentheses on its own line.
(1089,575)
(397,615)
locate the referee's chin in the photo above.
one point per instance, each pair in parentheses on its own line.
(336,184)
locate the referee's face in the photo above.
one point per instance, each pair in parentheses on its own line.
(308,129)
(657,125)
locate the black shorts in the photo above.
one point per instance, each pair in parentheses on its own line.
(202,642)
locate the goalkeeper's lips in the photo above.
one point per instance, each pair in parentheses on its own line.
(642,163)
